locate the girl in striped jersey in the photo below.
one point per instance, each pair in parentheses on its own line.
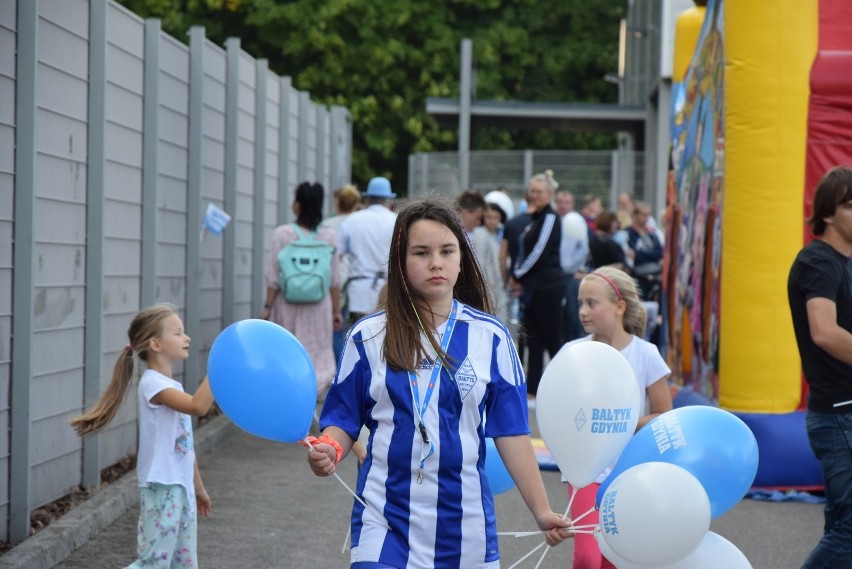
(421,375)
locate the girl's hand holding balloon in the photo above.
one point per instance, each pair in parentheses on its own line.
(556,528)
(325,452)
(321,459)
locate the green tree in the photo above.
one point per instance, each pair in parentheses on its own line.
(381,59)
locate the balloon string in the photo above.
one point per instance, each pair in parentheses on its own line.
(541,559)
(572,493)
(348,489)
(546,549)
(586,513)
(346,541)
(519,533)
(518,562)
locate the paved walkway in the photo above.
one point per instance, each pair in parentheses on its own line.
(270,511)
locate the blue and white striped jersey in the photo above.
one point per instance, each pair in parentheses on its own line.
(448,521)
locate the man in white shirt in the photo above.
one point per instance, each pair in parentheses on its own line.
(366,236)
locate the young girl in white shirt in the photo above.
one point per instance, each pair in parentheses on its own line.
(171,492)
(611,312)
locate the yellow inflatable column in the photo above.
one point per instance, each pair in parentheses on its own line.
(769,47)
(687,30)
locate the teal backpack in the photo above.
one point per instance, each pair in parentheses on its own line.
(305,268)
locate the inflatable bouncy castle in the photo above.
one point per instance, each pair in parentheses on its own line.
(762,107)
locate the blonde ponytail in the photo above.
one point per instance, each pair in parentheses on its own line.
(146,325)
(551,180)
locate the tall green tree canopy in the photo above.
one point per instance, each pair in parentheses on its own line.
(382,58)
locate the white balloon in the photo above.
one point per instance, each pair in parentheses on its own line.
(575,226)
(587,408)
(713,552)
(502,201)
(612,556)
(654,514)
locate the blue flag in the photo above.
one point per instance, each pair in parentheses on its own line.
(215,219)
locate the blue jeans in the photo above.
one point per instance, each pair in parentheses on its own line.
(830,436)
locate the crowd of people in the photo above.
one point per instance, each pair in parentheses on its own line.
(403,311)
(424,360)
(415,277)
(529,261)
(409,283)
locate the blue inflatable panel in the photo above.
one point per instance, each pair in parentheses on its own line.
(687,396)
(786,459)
(543,457)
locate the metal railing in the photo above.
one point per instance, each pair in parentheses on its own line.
(602,173)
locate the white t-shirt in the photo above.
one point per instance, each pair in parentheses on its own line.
(648,367)
(366,236)
(448,520)
(166,451)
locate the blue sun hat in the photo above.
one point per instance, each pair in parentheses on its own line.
(379,188)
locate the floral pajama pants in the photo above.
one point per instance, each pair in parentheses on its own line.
(167,532)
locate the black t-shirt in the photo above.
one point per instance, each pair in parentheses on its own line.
(820,271)
(603,250)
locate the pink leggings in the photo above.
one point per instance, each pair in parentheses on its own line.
(587,554)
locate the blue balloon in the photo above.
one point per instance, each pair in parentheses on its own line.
(499,479)
(714,445)
(263,380)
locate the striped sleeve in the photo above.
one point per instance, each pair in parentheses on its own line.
(543,237)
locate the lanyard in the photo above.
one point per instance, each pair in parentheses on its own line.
(429,447)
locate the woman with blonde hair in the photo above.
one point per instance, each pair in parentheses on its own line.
(538,279)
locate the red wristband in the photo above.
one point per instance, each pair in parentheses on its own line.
(327,440)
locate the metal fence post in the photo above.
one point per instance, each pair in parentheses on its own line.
(229,238)
(23,279)
(258,293)
(150,163)
(341,147)
(424,177)
(283,150)
(95,230)
(528,166)
(304,127)
(465,95)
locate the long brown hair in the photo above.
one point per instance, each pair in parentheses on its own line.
(402,347)
(146,325)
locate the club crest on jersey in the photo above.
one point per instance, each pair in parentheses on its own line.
(465,378)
